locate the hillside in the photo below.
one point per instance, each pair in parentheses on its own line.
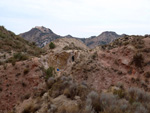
(20,69)
(11,45)
(108,79)
(125,60)
(42,36)
(70,78)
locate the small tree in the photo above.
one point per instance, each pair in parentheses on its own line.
(51,45)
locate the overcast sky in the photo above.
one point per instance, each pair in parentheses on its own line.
(80,18)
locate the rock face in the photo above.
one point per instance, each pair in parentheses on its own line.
(41,36)
(66,52)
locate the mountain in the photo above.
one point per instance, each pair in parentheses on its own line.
(41,36)
(102,39)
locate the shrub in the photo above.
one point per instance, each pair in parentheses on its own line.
(26,71)
(23,84)
(29,109)
(50,82)
(136,94)
(138,60)
(93,100)
(68,109)
(73,90)
(94,56)
(108,100)
(66,48)
(52,109)
(50,72)
(141,109)
(67,93)
(147,74)
(52,45)
(120,93)
(1,63)
(5,66)
(1,89)
(19,56)
(13,62)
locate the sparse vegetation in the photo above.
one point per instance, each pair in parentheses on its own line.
(20,56)
(9,41)
(17,57)
(71,47)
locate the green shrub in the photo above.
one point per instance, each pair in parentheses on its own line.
(120,93)
(19,56)
(52,45)
(50,72)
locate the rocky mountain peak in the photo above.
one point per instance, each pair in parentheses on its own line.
(43,29)
(109,33)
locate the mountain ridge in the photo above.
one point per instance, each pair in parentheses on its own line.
(42,35)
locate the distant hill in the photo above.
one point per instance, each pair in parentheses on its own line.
(42,36)
(102,39)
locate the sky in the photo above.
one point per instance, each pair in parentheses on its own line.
(79,18)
